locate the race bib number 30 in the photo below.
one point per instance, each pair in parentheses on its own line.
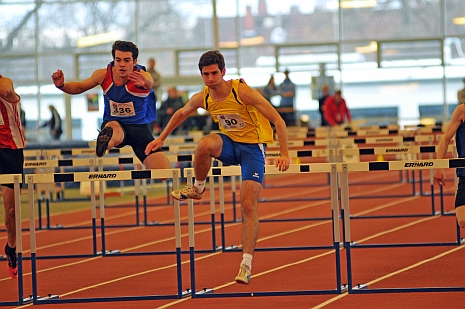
(122,109)
(231,121)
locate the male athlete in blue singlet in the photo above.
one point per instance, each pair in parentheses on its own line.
(243,116)
(455,127)
(129,104)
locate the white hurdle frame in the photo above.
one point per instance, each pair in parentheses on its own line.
(343,170)
(269,170)
(16,180)
(93,177)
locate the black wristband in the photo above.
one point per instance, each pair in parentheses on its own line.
(59,87)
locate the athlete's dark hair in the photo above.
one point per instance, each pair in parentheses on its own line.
(211,57)
(125,47)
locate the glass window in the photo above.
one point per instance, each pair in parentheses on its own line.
(307,58)
(19,69)
(390,19)
(410,53)
(49,63)
(88,63)
(360,53)
(455,17)
(380,53)
(175,24)
(85,26)
(18,29)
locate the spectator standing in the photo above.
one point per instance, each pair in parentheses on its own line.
(173,102)
(336,110)
(321,104)
(287,92)
(156,88)
(54,124)
(156,78)
(270,90)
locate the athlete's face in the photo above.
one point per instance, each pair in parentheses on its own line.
(212,76)
(124,63)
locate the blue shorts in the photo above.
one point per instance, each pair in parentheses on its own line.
(251,158)
(460,196)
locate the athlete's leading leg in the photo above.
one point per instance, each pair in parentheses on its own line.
(111,135)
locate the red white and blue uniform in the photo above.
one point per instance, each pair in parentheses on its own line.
(10,125)
(127,104)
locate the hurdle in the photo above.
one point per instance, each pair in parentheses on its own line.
(345,214)
(93,177)
(91,164)
(234,171)
(16,179)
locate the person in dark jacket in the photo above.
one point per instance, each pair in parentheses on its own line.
(54,124)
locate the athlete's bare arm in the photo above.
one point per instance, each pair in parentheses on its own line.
(79,87)
(178,117)
(6,89)
(252,97)
(458,116)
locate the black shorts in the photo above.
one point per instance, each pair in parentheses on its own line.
(460,196)
(11,162)
(137,136)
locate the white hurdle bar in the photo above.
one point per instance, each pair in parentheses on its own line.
(93,177)
(16,179)
(269,170)
(343,170)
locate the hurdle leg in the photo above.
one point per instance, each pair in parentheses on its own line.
(19,238)
(190,224)
(335,223)
(102,216)
(212,212)
(94,217)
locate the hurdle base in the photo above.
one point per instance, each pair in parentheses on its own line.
(152,223)
(186,293)
(344,288)
(30,299)
(49,296)
(360,286)
(205,291)
(58,226)
(27,300)
(462,241)
(352,243)
(231,248)
(109,252)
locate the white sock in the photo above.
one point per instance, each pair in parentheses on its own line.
(247,260)
(199,185)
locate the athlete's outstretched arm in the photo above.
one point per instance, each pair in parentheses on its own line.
(252,97)
(79,87)
(456,120)
(178,117)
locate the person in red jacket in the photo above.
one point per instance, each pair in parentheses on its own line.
(336,110)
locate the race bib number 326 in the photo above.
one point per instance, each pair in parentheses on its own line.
(122,109)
